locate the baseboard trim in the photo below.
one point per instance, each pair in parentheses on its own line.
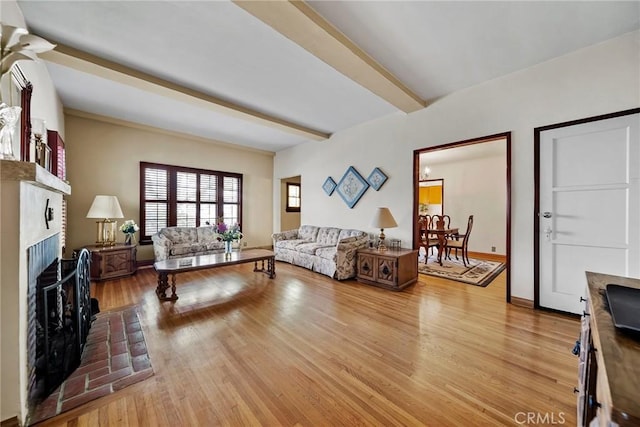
(10,422)
(488,256)
(522,302)
(145,263)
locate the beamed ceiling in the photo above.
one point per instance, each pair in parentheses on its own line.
(274,74)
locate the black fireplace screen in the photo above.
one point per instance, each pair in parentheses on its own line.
(62,322)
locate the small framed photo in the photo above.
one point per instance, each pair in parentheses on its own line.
(376,178)
(329,185)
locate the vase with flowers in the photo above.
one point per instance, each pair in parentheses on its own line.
(129,228)
(227,234)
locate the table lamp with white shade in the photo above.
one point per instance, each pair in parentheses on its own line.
(383,219)
(106,208)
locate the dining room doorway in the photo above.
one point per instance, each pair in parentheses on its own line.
(478,183)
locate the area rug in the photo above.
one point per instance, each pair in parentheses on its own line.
(477,272)
(114,357)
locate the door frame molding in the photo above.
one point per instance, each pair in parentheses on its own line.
(416,183)
(536,205)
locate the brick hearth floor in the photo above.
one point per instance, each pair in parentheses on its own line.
(114,357)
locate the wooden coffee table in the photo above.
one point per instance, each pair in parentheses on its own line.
(202,262)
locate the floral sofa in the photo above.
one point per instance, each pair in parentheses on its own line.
(327,250)
(178,242)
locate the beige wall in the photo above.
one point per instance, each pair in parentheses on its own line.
(289,220)
(103,158)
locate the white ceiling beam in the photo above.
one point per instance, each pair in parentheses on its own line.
(304,26)
(91,64)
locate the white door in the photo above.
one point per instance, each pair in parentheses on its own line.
(589,207)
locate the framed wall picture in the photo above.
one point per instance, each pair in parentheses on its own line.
(329,185)
(376,178)
(351,187)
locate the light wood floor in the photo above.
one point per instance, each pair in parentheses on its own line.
(239,349)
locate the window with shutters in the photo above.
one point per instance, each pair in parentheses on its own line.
(293,197)
(186,197)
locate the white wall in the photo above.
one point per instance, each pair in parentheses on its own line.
(596,80)
(477,187)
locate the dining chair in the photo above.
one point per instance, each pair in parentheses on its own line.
(427,241)
(423,218)
(435,220)
(446,221)
(463,244)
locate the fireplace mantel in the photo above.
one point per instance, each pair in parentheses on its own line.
(30,211)
(12,170)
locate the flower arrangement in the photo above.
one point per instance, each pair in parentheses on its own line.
(129,227)
(227,233)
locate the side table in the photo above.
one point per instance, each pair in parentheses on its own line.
(112,262)
(393,269)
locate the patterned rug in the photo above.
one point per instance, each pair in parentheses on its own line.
(114,357)
(478,272)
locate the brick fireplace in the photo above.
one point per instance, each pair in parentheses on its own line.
(30,212)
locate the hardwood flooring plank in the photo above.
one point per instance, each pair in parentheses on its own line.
(240,349)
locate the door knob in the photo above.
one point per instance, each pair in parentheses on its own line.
(547,232)
(547,214)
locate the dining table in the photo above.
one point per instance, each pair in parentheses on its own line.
(442,234)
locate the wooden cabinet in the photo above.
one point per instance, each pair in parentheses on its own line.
(390,269)
(111,262)
(609,367)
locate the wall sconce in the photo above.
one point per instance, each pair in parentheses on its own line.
(105,207)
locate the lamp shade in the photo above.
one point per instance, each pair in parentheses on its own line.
(383,219)
(105,207)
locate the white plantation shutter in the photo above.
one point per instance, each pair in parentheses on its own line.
(208,199)
(208,188)
(231,200)
(186,197)
(155,206)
